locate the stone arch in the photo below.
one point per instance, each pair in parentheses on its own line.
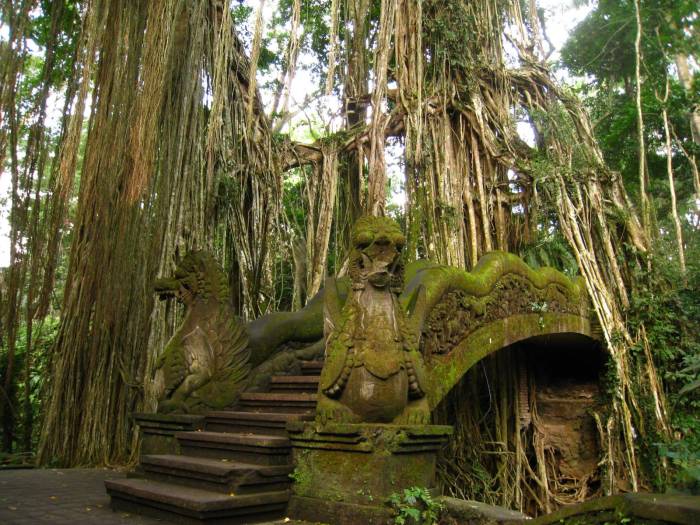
(446,371)
(469,315)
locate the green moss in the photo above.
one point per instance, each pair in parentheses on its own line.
(445,371)
(302,480)
(363,464)
(269,332)
(480,282)
(627,509)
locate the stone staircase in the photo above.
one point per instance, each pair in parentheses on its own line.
(235,470)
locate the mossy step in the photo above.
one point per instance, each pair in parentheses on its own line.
(270,423)
(311,367)
(219,475)
(303,383)
(258,449)
(669,509)
(189,505)
(278,402)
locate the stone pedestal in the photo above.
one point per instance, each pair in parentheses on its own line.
(345,473)
(158,431)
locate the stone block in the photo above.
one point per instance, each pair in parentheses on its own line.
(466,512)
(158,431)
(345,473)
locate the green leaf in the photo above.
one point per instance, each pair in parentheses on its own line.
(690,387)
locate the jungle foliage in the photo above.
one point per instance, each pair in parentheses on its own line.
(134,131)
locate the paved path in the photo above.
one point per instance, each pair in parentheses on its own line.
(60,496)
(67,497)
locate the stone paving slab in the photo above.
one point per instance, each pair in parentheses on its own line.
(66,497)
(60,496)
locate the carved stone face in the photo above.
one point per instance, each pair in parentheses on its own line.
(183,284)
(196,274)
(376,256)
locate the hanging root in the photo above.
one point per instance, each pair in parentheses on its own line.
(495,458)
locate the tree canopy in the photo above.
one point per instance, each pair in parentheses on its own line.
(134,131)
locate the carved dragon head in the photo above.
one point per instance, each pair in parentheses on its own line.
(377,243)
(197,276)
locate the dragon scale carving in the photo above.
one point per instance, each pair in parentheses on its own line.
(206,362)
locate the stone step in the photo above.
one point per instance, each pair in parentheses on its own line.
(219,475)
(305,383)
(248,448)
(269,423)
(311,368)
(188,505)
(278,402)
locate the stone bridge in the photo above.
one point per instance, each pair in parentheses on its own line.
(470,315)
(387,342)
(461,318)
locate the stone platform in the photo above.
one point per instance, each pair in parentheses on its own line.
(345,473)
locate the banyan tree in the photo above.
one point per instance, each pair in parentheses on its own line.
(165,145)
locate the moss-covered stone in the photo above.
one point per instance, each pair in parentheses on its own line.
(642,509)
(477,513)
(206,362)
(269,332)
(345,465)
(373,370)
(157,431)
(504,299)
(481,281)
(374,337)
(445,371)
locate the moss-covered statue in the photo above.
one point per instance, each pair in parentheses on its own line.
(205,364)
(373,371)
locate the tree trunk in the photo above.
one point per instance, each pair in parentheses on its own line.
(687,82)
(672,189)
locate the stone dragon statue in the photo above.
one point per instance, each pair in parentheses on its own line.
(373,371)
(205,364)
